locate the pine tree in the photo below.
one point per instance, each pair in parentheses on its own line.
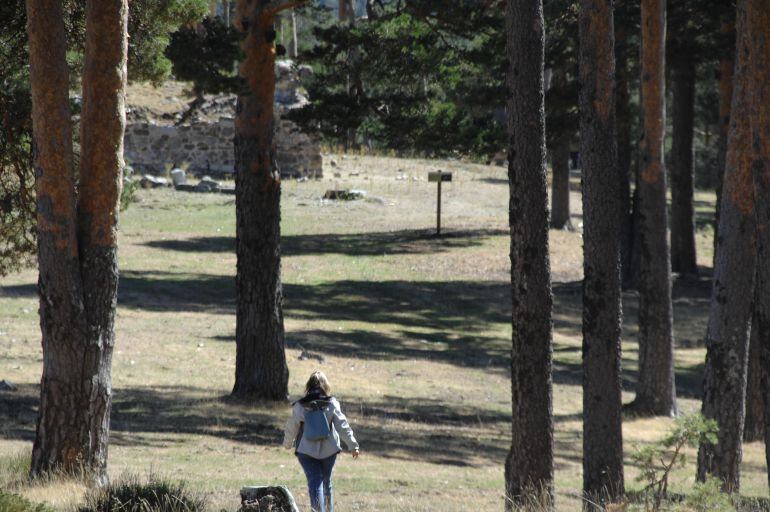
(727,335)
(529,467)
(77,236)
(602,317)
(655,390)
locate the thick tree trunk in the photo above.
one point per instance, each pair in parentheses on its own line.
(623,111)
(724,384)
(260,366)
(560,217)
(683,259)
(726,69)
(754,425)
(655,390)
(77,249)
(758,25)
(602,405)
(529,467)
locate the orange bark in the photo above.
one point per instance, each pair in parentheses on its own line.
(103,121)
(653,88)
(51,124)
(738,185)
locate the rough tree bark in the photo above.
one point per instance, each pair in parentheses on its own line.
(655,390)
(758,28)
(623,122)
(529,467)
(560,216)
(726,69)
(602,405)
(77,246)
(683,258)
(727,335)
(260,366)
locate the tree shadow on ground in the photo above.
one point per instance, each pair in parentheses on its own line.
(412,241)
(441,431)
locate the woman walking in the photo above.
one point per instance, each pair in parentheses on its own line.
(314,431)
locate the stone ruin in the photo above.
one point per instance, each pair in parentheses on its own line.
(205,142)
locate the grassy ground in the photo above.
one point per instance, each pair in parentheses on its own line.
(412,330)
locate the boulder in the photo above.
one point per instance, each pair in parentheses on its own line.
(178,177)
(267,499)
(206,184)
(150,181)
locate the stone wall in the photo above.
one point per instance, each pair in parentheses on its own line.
(207,148)
(205,143)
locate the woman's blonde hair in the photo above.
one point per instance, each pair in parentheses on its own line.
(318,380)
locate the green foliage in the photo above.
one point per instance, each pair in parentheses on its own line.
(206,55)
(150,24)
(17,194)
(656,461)
(410,80)
(154,495)
(708,497)
(128,192)
(15,503)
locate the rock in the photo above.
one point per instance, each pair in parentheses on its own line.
(150,181)
(267,498)
(206,184)
(6,385)
(333,162)
(178,177)
(345,195)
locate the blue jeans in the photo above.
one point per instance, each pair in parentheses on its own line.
(319,481)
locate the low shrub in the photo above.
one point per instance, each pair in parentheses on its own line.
(129,494)
(14,503)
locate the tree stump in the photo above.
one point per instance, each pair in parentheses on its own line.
(267,499)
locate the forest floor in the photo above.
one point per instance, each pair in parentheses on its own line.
(413,331)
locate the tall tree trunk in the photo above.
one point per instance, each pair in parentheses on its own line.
(655,390)
(754,425)
(602,405)
(683,259)
(727,335)
(623,111)
(260,366)
(529,467)
(294,39)
(560,216)
(758,25)
(726,69)
(77,246)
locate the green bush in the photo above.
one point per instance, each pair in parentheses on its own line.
(15,503)
(656,461)
(708,496)
(128,192)
(129,494)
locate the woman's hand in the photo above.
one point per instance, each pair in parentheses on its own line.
(355,453)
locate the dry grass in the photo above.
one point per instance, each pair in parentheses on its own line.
(413,331)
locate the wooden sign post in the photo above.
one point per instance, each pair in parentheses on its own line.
(439,177)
